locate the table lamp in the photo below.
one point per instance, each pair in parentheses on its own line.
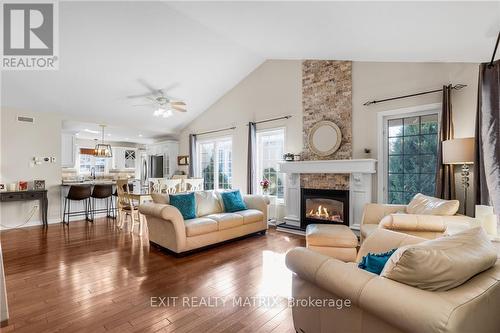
(460,151)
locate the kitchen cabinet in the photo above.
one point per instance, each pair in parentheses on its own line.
(68,150)
(124,158)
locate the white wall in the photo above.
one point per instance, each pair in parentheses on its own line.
(274,89)
(20,142)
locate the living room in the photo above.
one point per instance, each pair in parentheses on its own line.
(205,166)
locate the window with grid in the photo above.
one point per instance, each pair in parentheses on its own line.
(270,150)
(87,162)
(215,163)
(411,156)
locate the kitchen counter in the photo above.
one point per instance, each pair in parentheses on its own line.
(92,182)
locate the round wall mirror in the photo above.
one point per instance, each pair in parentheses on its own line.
(324,138)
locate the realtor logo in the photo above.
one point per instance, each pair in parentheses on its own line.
(29,36)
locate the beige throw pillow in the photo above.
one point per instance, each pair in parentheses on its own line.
(207,203)
(425,205)
(160,198)
(443,263)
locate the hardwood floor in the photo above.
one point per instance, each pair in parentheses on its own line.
(96,278)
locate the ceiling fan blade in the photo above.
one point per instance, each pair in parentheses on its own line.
(144,104)
(153,90)
(138,96)
(177,108)
(178,103)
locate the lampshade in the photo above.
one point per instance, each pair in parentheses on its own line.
(458,151)
(102,149)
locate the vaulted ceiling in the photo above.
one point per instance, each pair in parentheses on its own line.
(200,50)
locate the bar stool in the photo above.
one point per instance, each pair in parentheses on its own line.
(77,193)
(101,191)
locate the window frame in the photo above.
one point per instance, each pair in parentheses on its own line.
(216,141)
(258,162)
(383,118)
(92,164)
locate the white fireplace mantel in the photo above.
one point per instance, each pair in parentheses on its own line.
(330,166)
(360,187)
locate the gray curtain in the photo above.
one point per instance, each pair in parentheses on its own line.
(192,155)
(487,161)
(445,179)
(251,158)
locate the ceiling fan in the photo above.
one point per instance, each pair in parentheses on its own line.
(164,104)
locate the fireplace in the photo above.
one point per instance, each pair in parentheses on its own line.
(324,206)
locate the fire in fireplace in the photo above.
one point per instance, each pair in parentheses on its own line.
(324,206)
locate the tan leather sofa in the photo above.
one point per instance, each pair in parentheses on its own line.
(168,229)
(374,213)
(382,305)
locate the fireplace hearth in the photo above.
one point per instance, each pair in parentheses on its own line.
(320,206)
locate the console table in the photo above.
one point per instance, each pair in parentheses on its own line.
(28,196)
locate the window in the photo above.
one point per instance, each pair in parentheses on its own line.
(87,162)
(410,156)
(270,149)
(215,163)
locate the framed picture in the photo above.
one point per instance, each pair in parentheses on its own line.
(39,185)
(183,160)
(3,188)
(23,185)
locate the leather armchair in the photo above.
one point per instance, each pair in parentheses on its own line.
(378,304)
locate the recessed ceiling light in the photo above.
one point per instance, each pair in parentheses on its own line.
(109,134)
(126,138)
(77,134)
(140,135)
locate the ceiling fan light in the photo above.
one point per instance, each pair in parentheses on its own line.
(167,113)
(159,112)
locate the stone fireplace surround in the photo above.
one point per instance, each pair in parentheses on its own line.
(359,172)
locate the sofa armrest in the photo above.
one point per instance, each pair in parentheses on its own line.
(345,280)
(413,222)
(258,202)
(373,213)
(160,213)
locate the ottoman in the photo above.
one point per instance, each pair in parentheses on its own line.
(337,241)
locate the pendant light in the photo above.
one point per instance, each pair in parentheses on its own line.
(102,149)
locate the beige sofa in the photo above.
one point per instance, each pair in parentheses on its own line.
(374,213)
(378,304)
(168,229)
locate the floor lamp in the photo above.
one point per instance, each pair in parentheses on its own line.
(460,151)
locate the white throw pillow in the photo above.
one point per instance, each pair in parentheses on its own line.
(207,203)
(443,263)
(425,205)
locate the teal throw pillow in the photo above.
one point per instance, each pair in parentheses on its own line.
(185,203)
(375,262)
(233,202)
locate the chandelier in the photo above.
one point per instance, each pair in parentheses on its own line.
(102,149)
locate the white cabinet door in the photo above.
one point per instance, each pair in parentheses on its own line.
(67,150)
(124,158)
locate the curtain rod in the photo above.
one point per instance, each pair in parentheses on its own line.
(272,119)
(456,87)
(494,51)
(215,131)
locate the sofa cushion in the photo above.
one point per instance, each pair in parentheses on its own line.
(425,205)
(227,220)
(207,203)
(443,263)
(251,215)
(185,203)
(200,226)
(330,235)
(233,202)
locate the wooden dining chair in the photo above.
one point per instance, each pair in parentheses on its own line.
(170,186)
(193,184)
(127,207)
